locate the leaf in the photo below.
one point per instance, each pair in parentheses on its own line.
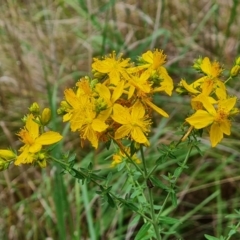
(143,232)
(158,183)
(110,201)
(177,172)
(72,157)
(132,149)
(168,220)
(108,144)
(173,198)
(90,166)
(208,237)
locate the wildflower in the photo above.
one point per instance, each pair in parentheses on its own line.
(142,88)
(134,122)
(90,125)
(120,156)
(212,70)
(217,119)
(34,141)
(115,68)
(151,62)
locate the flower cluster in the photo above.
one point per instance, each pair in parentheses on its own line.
(34,137)
(212,104)
(117,103)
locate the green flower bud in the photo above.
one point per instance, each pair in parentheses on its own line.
(34,108)
(238,61)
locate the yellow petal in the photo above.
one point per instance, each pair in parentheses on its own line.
(99,125)
(48,138)
(32,127)
(71,98)
(120,114)
(138,136)
(35,147)
(225,127)
(156,108)
(216,134)
(200,119)
(91,135)
(103,91)
(188,87)
(228,103)
(206,101)
(148,56)
(25,157)
(123,131)
(206,66)
(117,91)
(138,111)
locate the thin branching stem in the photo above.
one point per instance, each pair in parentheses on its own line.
(153,216)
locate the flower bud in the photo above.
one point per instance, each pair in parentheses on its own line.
(238,61)
(42,160)
(7,155)
(235,70)
(4,165)
(46,116)
(34,108)
(197,64)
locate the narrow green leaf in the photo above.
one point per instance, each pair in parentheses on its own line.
(168,220)
(208,237)
(143,232)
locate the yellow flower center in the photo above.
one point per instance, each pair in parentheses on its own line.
(26,137)
(222,115)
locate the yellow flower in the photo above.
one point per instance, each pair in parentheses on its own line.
(86,120)
(34,141)
(217,119)
(154,59)
(115,68)
(134,122)
(120,156)
(212,70)
(141,87)
(152,62)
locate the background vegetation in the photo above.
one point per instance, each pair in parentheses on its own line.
(46,46)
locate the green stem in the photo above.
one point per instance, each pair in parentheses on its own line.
(153,216)
(128,156)
(228,80)
(175,180)
(65,166)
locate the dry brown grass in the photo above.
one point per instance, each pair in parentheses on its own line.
(50,44)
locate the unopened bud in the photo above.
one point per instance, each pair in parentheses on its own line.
(197,64)
(46,116)
(4,165)
(235,71)
(42,160)
(34,108)
(238,61)
(7,155)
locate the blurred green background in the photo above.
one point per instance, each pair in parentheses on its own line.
(46,46)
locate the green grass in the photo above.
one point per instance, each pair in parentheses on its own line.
(46,46)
